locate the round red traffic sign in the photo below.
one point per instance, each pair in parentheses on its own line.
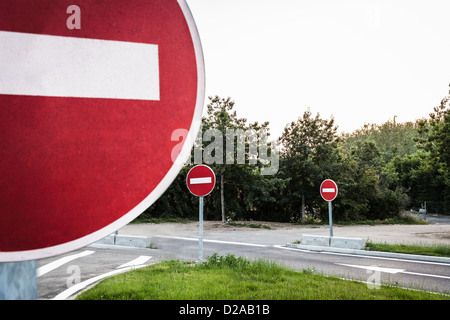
(328,190)
(90,96)
(200,180)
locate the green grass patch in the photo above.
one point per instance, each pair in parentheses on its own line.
(252,225)
(229,278)
(160,220)
(403,218)
(406,219)
(429,250)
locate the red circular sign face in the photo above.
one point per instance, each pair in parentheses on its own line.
(90,95)
(328,190)
(201,180)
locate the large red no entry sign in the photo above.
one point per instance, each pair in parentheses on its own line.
(89,97)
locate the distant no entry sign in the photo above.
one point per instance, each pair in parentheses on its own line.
(201,180)
(90,94)
(328,190)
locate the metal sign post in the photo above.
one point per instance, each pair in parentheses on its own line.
(329,191)
(330,217)
(200,181)
(18,280)
(200,230)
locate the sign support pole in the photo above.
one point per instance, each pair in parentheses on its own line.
(330,217)
(200,231)
(200,181)
(18,280)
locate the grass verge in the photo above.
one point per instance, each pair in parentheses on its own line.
(230,278)
(428,250)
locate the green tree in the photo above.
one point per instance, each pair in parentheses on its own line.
(233,155)
(437,134)
(434,140)
(308,145)
(391,138)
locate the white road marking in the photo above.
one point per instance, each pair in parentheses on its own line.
(138,261)
(426,275)
(292,249)
(55,264)
(217,241)
(75,288)
(56,66)
(384,258)
(200,180)
(394,271)
(373,268)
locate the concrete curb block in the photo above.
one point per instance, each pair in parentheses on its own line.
(132,241)
(347,243)
(124,240)
(313,240)
(107,240)
(339,242)
(382,254)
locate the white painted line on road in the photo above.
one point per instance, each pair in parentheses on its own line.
(55,264)
(217,241)
(383,258)
(138,261)
(56,66)
(292,249)
(426,275)
(200,180)
(393,271)
(80,286)
(373,268)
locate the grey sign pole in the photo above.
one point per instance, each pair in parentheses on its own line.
(330,217)
(18,280)
(200,231)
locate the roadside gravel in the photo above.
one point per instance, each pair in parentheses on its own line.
(437,232)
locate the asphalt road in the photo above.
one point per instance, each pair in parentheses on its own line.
(64,276)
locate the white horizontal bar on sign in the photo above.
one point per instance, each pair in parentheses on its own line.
(200,180)
(55,66)
(328,190)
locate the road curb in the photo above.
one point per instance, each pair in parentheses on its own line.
(335,242)
(125,240)
(393,255)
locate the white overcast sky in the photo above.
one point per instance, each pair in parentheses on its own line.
(361,61)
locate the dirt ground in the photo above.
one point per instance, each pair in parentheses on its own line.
(436,232)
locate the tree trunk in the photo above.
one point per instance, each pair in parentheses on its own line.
(303,209)
(222,200)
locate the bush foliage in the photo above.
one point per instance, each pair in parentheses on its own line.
(379,170)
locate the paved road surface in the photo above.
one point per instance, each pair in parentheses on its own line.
(67,274)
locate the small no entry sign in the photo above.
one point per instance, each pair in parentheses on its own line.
(201,180)
(328,190)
